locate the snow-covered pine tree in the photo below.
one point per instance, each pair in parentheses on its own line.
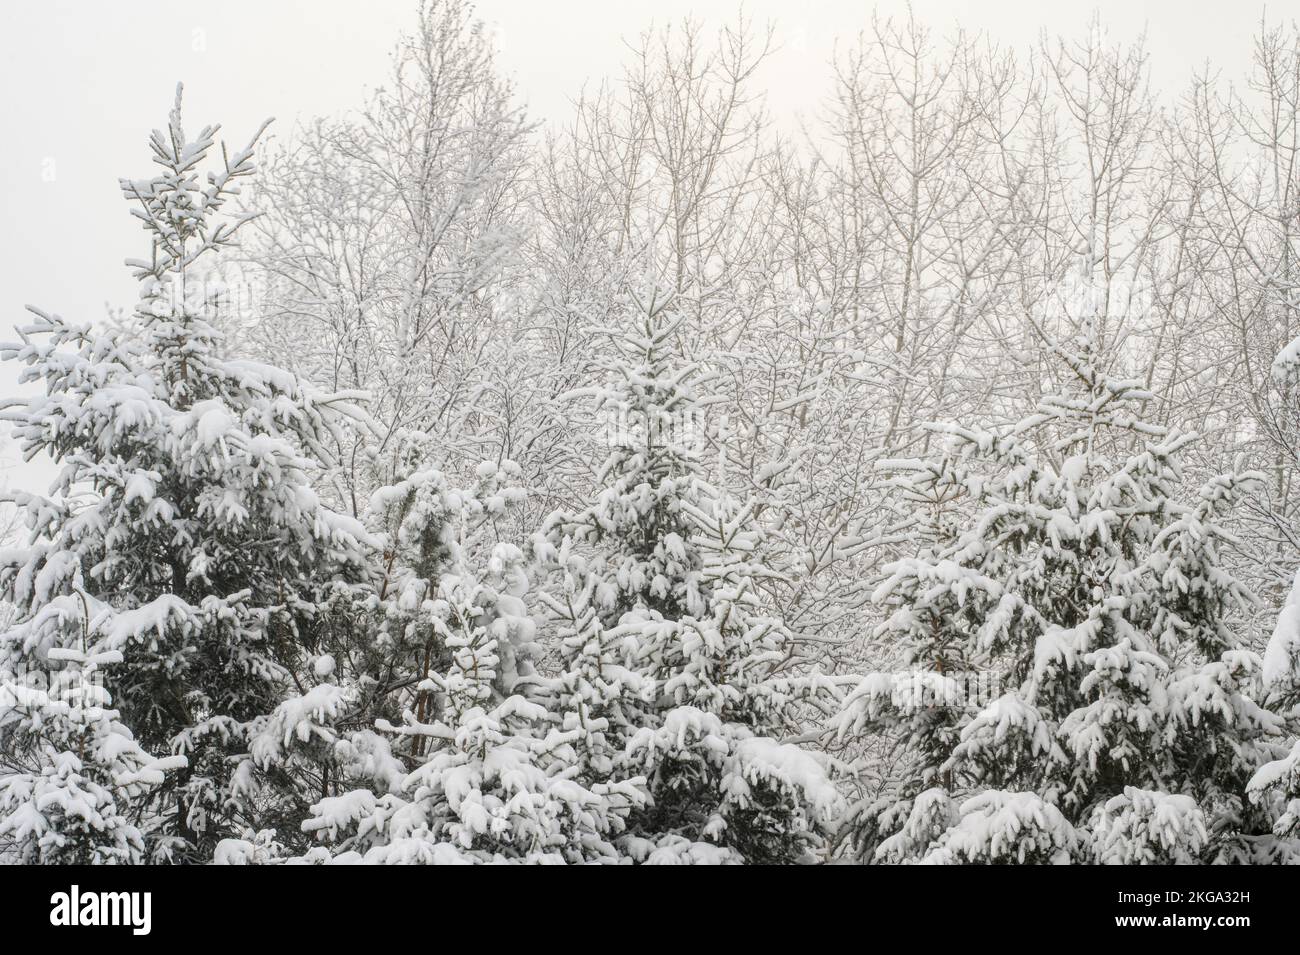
(1276,786)
(1077,692)
(652,416)
(72,777)
(493,777)
(670,668)
(440,755)
(727,694)
(423,526)
(183,516)
(629,548)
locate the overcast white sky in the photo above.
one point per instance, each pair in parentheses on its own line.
(84,83)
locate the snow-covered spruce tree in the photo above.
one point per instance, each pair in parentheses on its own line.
(670,668)
(1276,787)
(422,527)
(629,548)
(435,754)
(1107,712)
(493,777)
(183,523)
(72,777)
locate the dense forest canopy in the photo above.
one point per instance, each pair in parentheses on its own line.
(657,487)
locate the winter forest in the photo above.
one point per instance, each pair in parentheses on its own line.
(653,485)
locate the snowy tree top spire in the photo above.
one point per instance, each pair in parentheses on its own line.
(176,207)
